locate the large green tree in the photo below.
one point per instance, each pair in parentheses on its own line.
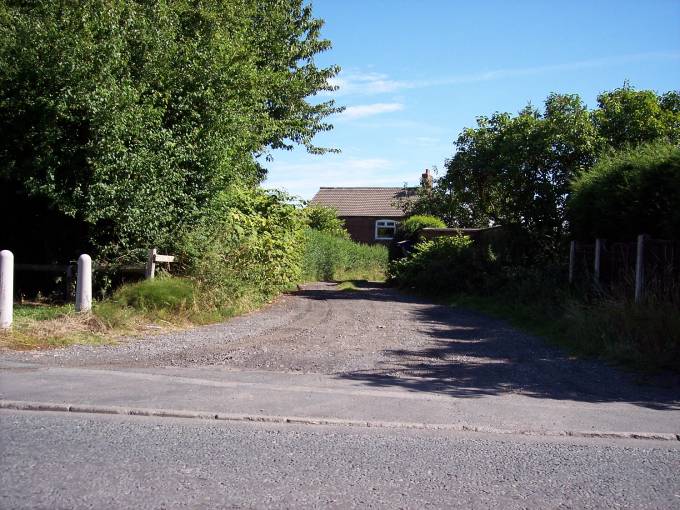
(518,169)
(125,118)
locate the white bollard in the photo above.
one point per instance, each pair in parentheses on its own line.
(6,288)
(84,284)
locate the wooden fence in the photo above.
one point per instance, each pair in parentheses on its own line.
(641,267)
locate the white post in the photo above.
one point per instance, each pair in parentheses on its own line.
(151,264)
(84,284)
(640,268)
(598,256)
(572,260)
(6,288)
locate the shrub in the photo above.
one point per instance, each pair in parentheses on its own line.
(628,193)
(444,264)
(164,293)
(249,247)
(325,219)
(412,226)
(328,257)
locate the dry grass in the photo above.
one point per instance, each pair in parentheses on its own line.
(64,330)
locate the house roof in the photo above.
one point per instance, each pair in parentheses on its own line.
(364,201)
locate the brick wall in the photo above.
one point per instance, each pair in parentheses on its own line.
(362,228)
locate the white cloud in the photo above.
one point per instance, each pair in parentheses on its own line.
(368,110)
(365,83)
(357,83)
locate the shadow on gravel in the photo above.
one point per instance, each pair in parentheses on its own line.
(471,355)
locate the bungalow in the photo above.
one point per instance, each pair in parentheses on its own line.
(371,214)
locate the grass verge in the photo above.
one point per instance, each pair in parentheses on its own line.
(642,337)
(145,307)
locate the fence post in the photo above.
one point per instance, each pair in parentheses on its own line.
(6,288)
(572,261)
(598,258)
(640,268)
(84,284)
(151,264)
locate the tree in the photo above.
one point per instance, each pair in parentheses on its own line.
(518,169)
(628,117)
(129,117)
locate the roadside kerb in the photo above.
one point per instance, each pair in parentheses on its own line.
(206,415)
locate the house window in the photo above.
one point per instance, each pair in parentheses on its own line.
(385,229)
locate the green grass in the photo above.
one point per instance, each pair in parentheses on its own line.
(167,302)
(40,311)
(351,285)
(331,258)
(642,337)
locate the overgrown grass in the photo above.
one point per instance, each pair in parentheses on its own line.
(328,257)
(136,308)
(351,285)
(642,337)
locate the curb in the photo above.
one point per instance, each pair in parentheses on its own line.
(204,415)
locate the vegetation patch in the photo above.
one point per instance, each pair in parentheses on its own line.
(640,337)
(328,257)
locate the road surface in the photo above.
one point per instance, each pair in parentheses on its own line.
(325,398)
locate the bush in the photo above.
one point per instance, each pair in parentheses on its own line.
(164,293)
(325,219)
(629,193)
(412,226)
(444,264)
(328,257)
(247,249)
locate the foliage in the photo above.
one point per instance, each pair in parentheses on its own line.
(249,245)
(643,335)
(627,193)
(126,118)
(412,226)
(627,117)
(441,265)
(516,170)
(329,257)
(325,219)
(165,293)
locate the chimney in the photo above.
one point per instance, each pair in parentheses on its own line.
(426,180)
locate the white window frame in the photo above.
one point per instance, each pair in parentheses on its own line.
(384,223)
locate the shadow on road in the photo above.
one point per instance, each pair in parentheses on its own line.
(466,354)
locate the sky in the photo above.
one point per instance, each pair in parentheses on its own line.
(416,73)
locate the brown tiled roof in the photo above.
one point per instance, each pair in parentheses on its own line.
(363,201)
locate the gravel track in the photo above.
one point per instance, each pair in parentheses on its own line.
(384,338)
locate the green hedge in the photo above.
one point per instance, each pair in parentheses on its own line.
(412,226)
(629,193)
(441,265)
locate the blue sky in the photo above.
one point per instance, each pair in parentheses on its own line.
(414,74)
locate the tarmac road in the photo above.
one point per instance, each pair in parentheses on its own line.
(54,460)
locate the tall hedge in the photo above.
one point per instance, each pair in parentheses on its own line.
(628,193)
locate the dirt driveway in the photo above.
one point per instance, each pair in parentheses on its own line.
(382,338)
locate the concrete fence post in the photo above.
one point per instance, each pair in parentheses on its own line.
(151,264)
(84,284)
(6,288)
(572,261)
(598,259)
(640,268)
